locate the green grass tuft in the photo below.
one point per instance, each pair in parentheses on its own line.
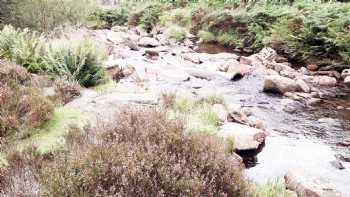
(51,135)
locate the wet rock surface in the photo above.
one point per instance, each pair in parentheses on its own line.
(309,187)
(244,137)
(300,127)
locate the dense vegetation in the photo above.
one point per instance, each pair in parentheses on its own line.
(23,107)
(149,152)
(146,154)
(303,31)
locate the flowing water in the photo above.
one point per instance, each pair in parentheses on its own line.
(300,137)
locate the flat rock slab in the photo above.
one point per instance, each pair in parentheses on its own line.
(279,84)
(245,137)
(103,107)
(306,186)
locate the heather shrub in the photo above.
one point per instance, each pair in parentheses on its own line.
(145,154)
(21,175)
(76,59)
(22,106)
(67,89)
(22,47)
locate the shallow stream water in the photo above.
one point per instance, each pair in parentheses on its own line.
(301,137)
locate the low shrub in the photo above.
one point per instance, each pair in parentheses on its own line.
(148,15)
(145,154)
(22,47)
(207,36)
(22,106)
(176,32)
(271,189)
(107,18)
(76,59)
(21,175)
(67,89)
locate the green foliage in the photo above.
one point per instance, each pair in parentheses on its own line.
(176,32)
(146,14)
(272,189)
(207,36)
(46,15)
(318,31)
(180,16)
(22,47)
(76,59)
(150,16)
(107,18)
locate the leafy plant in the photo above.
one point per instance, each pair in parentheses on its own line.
(76,59)
(22,47)
(107,18)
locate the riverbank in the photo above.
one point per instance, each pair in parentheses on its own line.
(294,120)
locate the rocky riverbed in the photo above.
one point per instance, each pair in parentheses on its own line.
(296,120)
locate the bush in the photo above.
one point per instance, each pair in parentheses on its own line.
(21,176)
(271,189)
(318,31)
(22,106)
(22,47)
(176,32)
(76,59)
(145,154)
(67,89)
(147,16)
(207,36)
(111,17)
(46,15)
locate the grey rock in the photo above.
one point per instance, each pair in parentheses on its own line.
(244,137)
(148,42)
(337,164)
(279,84)
(306,186)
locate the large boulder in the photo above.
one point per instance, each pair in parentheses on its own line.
(345,73)
(176,75)
(148,42)
(116,37)
(238,70)
(303,86)
(192,57)
(309,187)
(325,81)
(244,137)
(221,112)
(267,54)
(347,80)
(218,57)
(279,84)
